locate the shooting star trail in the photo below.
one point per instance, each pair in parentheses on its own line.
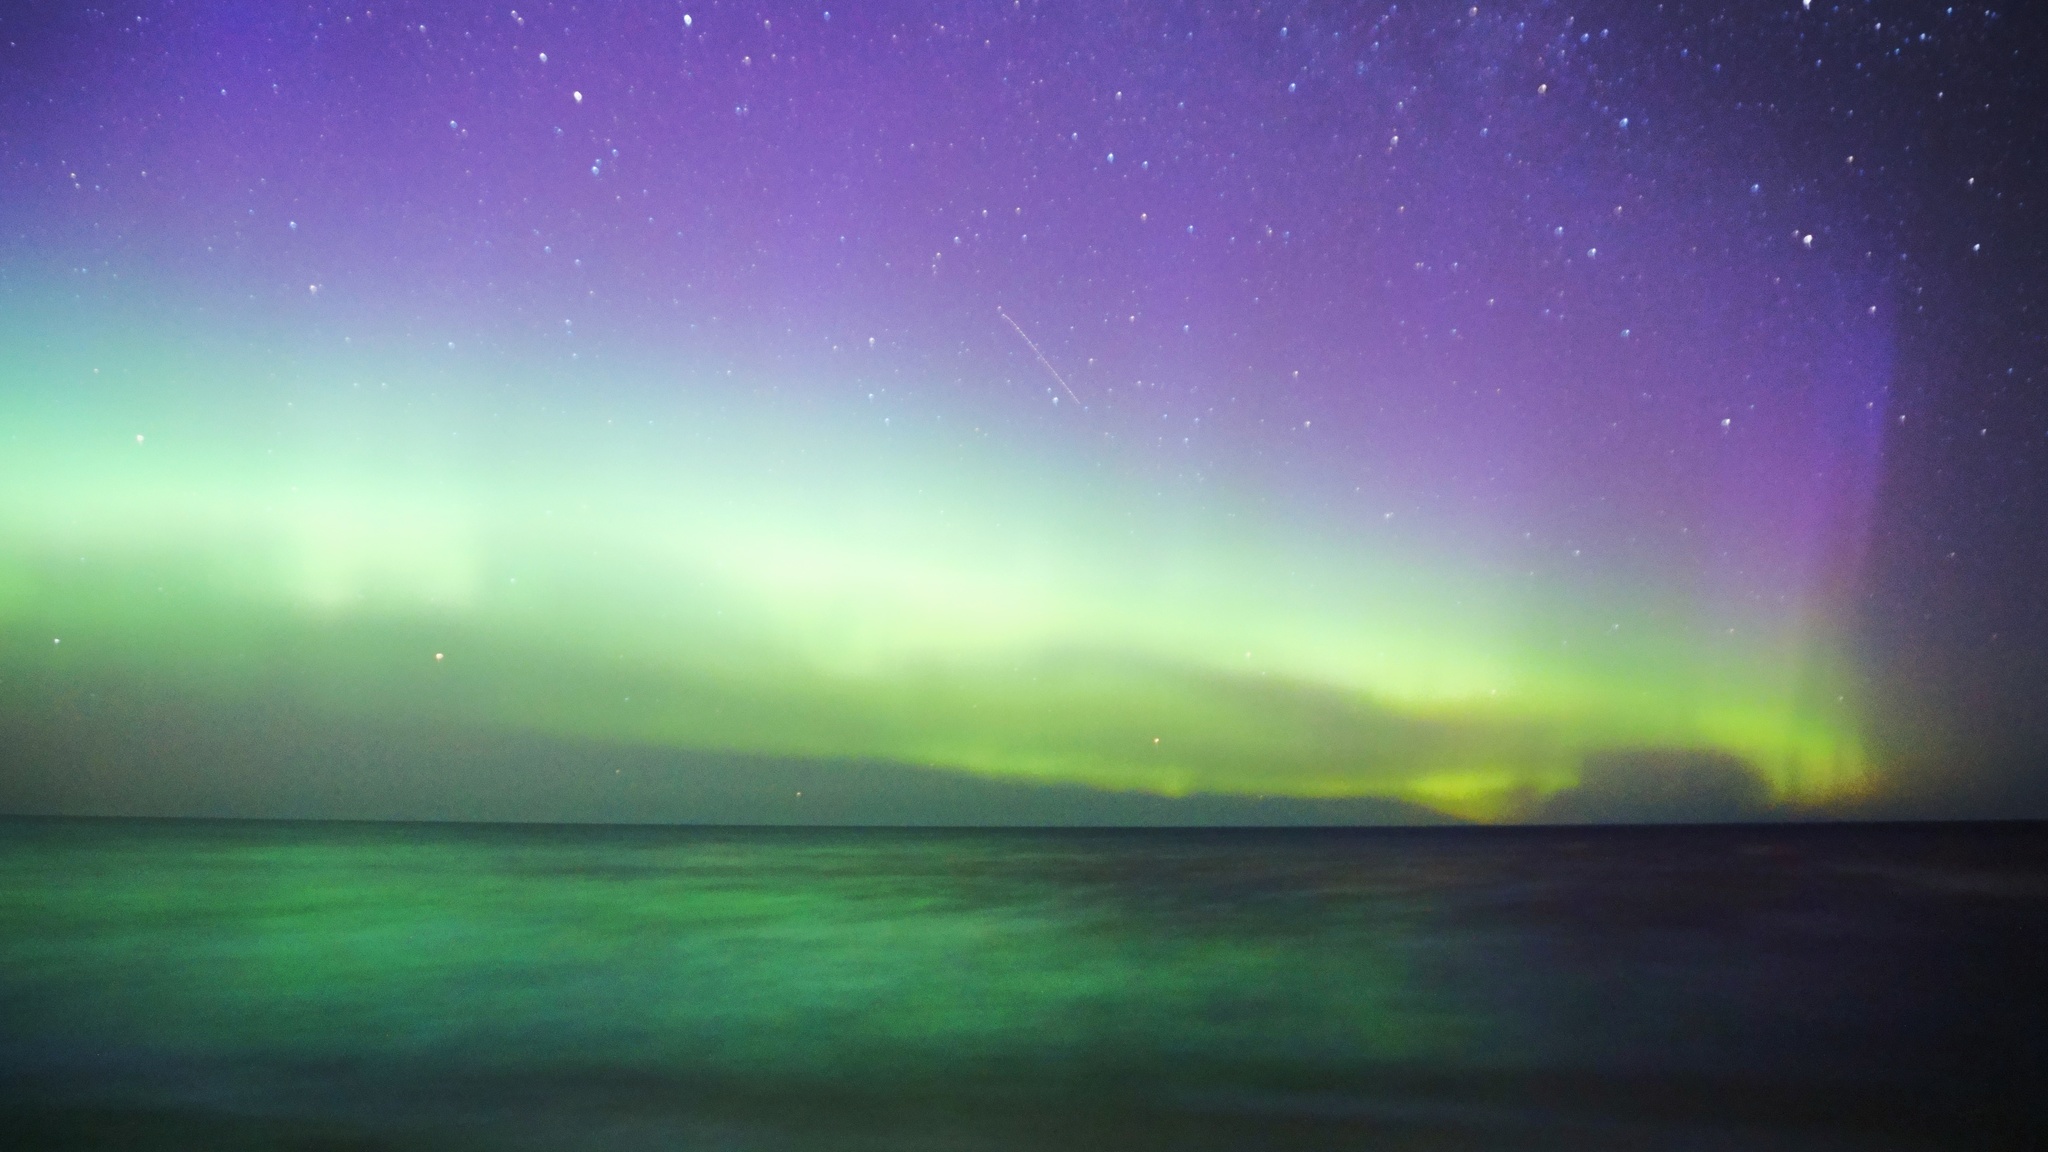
(1029,343)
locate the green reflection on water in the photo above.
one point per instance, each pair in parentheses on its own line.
(881,959)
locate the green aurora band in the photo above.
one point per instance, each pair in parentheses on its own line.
(673,554)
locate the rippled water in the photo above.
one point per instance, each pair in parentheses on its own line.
(252,985)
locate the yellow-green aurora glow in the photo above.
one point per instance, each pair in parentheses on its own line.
(669,554)
(1438,407)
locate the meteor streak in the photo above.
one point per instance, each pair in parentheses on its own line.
(1029,343)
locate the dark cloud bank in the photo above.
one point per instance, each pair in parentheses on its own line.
(120,755)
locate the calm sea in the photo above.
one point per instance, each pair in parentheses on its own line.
(257,985)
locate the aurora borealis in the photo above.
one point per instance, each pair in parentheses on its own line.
(1399,401)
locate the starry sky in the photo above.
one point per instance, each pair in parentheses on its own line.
(1477,408)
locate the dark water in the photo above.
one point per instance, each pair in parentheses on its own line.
(228,986)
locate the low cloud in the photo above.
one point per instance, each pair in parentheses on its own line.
(1661,785)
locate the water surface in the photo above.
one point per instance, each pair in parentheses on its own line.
(170,984)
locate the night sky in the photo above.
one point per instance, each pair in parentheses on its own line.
(1506,411)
